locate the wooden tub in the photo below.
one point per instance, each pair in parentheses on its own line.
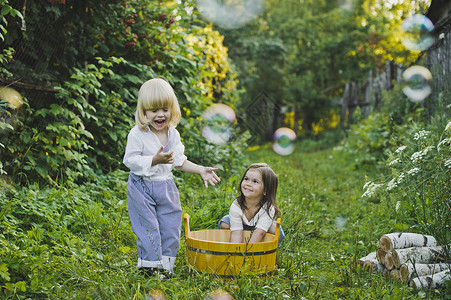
(210,251)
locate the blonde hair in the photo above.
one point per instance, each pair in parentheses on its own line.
(153,94)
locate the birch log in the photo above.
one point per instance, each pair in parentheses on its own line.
(394,274)
(373,266)
(430,281)
(410,270)
(400,240)
(371,256)
(389,262)
(396,257)
(380,255)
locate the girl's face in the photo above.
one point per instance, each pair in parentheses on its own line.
(252,185)
(158,118)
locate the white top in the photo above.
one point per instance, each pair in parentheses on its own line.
(261,219)
(142,147)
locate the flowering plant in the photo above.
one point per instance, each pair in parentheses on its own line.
(418,187)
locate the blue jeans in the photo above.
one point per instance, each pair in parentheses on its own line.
(226,219)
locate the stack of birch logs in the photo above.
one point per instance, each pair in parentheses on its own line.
(412,258)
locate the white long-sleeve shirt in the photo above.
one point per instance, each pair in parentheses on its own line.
(142,146)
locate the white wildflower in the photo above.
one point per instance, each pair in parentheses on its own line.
(398,205)
(371,188)
(413,171)
(443,142)
(420,154)
(421,135)
(392,184)
(448,126)
(367,184)
(395,161)
(400,149)
(448,163)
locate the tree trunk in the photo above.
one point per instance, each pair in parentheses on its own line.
(380,254)
(430,281)
(394,274)
(396,257)
(371,256)
(410,270)
(389,262)
(373,266)
(344,105)
(400,240)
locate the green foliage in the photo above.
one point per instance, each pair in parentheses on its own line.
(75,241)
(47,234)
(419,166)
(410,146)
(5,11)
(301,53)
(78,128)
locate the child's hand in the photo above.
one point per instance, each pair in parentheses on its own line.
(209,176)
(163,158)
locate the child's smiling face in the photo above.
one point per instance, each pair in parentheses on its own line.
(252,185)
(158,118)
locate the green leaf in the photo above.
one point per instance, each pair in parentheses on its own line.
(6,9)
(4,272)
(125,249)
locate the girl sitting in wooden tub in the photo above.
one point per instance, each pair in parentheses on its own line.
(255,209)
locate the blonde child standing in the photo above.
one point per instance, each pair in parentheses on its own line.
(255,208)
(153,149)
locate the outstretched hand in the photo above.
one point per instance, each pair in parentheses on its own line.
(209,176)
(163,158)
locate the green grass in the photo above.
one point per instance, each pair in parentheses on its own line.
(76,242)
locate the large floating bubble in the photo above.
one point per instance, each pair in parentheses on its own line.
(417,33)
(230,14)
(10,102)
(219,128)
(416,83)
(284,141)
(11,97)
(346,4)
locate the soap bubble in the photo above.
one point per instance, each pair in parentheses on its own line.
(156,295)
(417,33)
(230,14)
(284,141)
(219,295)
(10,97)
(219,128)
(346,4)
(340,222)
(10,102)
(416,83)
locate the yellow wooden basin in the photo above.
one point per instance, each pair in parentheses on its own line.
(210,251)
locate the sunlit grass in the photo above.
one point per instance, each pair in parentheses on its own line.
(91,252)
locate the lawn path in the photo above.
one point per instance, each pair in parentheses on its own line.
(327,223)
(327,226)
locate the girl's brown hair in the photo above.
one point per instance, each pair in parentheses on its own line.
(153,94)
(270,183)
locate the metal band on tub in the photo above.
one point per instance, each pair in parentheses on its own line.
(231,253)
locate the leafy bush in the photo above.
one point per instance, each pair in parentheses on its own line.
(80,128)
(416,189)
(47,233)
(412,150)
